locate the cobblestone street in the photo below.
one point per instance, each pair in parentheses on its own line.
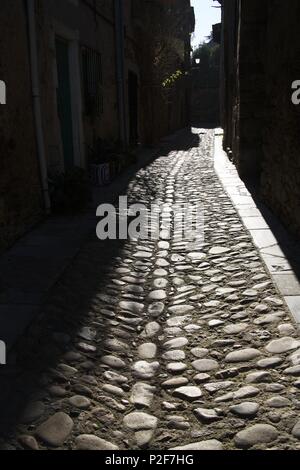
(157,347)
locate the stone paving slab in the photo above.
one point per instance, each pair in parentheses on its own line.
(149,344)
(294,306)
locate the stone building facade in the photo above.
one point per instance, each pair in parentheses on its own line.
(77,65)
(93,81)
(260,63)
(163,29)
(107,79)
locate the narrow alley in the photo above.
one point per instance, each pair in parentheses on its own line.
(144,344)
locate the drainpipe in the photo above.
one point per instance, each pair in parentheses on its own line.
(119,30)
(37,103)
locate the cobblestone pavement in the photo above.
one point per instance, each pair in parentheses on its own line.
(145,344)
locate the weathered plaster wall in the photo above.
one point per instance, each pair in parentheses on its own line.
(20,193)
(95,31)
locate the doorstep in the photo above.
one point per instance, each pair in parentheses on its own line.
(277,248)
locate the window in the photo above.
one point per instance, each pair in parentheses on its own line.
(92,82)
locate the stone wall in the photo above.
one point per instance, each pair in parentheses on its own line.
(205,107)
(20,192)
(229,81)
(260,62)
(280,176)
(244,29)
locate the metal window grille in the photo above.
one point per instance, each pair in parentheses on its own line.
(92,82)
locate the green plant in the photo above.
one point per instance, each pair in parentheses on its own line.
(172,79)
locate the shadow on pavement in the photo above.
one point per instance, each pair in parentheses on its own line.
(37,363)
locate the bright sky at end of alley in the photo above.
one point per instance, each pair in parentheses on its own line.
(206,15)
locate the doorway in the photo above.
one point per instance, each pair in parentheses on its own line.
(64,102)
(133,108)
